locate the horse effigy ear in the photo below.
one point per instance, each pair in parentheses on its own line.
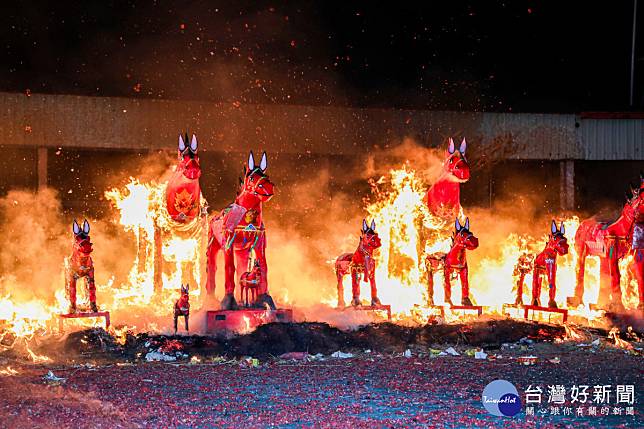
(457,225)
(76,227)
(562,229)
(364,225)
(263,164)
(451,147)
(553,227)
(193,143)
(467,223)
(373,225)
(182,144)
(86,226)
(463,146)
(251,161)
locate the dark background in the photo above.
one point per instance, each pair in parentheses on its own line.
(545,56)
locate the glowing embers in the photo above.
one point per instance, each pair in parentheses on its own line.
(243,321)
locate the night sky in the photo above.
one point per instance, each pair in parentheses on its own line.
(550,56)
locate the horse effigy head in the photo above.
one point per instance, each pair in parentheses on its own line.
(369,237)
(256,182)
(184,290)
(456,164)
(558,240)
(82,243)
(463,236)
(189,159)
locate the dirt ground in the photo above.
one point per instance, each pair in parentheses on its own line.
(397,377)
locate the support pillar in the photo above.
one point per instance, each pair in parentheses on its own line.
(42,168)
(567,184)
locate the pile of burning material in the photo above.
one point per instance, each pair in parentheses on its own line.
(276,339)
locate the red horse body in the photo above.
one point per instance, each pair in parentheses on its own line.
(545,263)
(182,308)
(239,231)
(183,193)
(611,242)
(456,261)
(359,263)
(444,196)
(80,265)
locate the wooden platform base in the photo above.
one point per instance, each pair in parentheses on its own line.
(477,308)
(385,308)
(527,308)
(243,320)
(81,315)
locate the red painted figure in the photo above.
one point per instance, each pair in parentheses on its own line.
(79,265)
(183,192)
(444,196)
(545,264)
(182,307)
(249,282)
(456,261)
(359,263)
(239,230)
(611,242)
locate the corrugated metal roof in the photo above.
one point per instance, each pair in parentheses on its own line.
(612,139)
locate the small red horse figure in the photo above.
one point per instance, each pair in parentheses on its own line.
(239,231)
(182,308)
(456,261)
(360,262)
(80,265)
(444,197)
(611,242)
(183,193)
(545,263)
(249,282)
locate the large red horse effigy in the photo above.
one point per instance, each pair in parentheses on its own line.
(239,231)
(444,197)
(612,242)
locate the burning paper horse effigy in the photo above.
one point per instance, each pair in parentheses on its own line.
(80,265)
(239,231)
(545,264)
(444,196)
(454,261)
(182,308)
(612,242)
(360,263)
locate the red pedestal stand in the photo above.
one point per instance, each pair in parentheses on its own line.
(80,315)
(527,308)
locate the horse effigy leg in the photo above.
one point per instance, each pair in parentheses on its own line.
(186,322)
(638,268)
(536,287)
(603,300)
(339,275)
(430,286)
(71,292)
(465,287)
(578,298)
(91,287)
(263,298)
(615,287)
(355,288)
(229,302)
(520,280)
(211,266)
(176,316)
(374,290)
(448,285)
